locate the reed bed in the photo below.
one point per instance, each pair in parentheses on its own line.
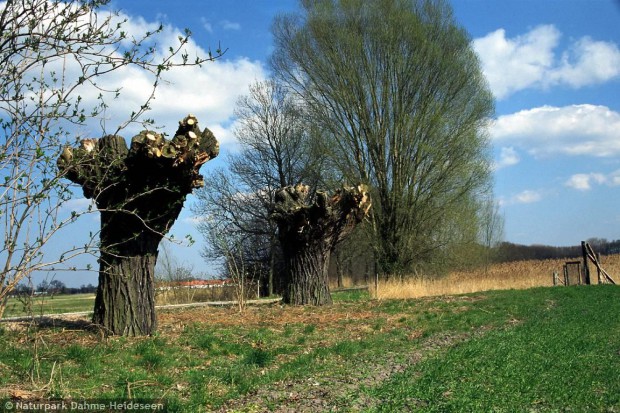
(184,295)
(503,276)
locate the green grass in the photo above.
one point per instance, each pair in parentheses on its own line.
(562,354)
(547,349)
(52,304)
(351,295)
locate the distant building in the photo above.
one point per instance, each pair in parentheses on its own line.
(170,285)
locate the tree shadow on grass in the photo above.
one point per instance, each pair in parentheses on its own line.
(53,323)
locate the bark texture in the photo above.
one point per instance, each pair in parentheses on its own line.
(309,231)
(140,191)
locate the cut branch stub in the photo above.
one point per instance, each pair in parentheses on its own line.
(308,232)
(97,164)
(331,218)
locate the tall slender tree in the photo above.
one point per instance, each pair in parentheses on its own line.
(400,97)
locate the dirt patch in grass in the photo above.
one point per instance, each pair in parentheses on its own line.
(274,315)
(337,391)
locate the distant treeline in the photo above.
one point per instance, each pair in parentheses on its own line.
(52,288)
(508,251)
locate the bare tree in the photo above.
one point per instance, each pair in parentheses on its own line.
(238,269)
(53,54)
(276,150)
(170,273)
(353,257)
(491,229)
(168,268)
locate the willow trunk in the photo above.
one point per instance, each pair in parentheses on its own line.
(307,266)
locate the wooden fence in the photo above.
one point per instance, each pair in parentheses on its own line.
(578,272)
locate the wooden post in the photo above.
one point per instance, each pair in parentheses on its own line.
(586,269)
(598,267)
(566,281)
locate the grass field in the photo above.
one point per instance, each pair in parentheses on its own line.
(57,304)
(540,350)
(54,304)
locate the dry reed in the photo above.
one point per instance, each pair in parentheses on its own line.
(504,276)
(347,282)
(184,295)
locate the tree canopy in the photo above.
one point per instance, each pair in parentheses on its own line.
(399,96)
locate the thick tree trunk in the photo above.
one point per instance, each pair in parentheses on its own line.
(125,303)
(308,232)
(140,192)
(308,282)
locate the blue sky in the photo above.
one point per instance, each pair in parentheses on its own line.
(553,66)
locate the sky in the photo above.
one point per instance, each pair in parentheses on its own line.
(553,67)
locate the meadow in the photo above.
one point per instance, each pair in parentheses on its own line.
(49,304)
(459,345)
(540,349)
(59,303)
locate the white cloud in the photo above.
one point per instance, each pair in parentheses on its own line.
(80,205)
(528,196)
(508,156)
(228,25)
(571,130)
(614,178)
(515,64)
(209,91)
(588,62)
(225,135)
(224,24)
(206,25)
(585,182)
(529,60)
